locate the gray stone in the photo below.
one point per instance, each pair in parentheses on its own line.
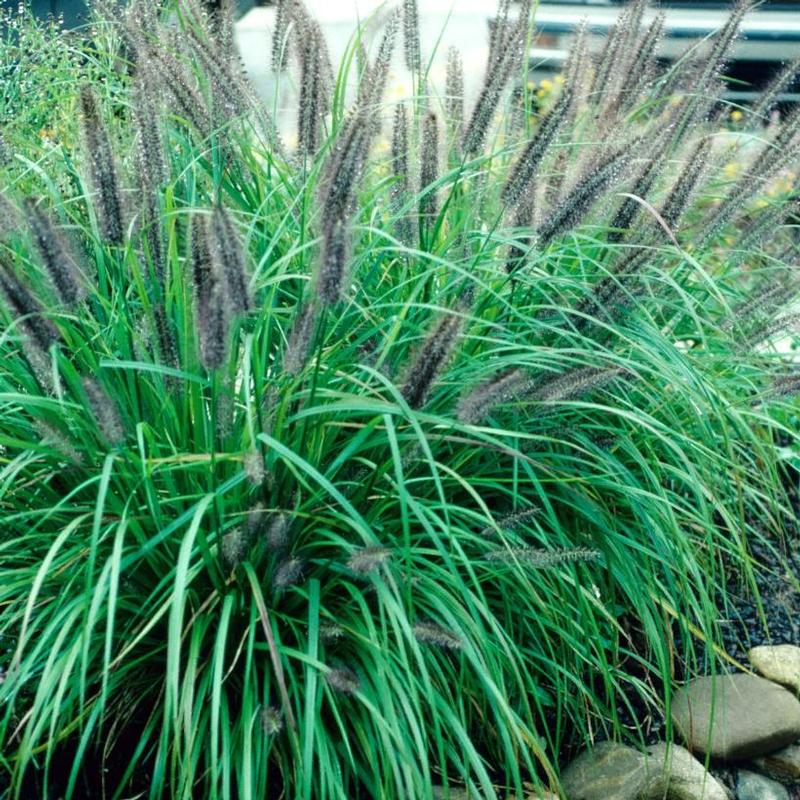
(779,663)
(783,764)
(750,786)
(674,773)
(734,717)
(606,772)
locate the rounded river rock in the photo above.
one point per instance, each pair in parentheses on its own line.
(733,717)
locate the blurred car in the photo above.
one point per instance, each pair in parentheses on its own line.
(73,13)
(770,36)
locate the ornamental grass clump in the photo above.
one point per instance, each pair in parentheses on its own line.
(372,464)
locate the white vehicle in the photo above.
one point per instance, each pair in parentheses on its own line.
(770,35)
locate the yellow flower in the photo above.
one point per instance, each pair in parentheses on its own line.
(732,169)
(382,146)
(546,85)
(736,115)
(559,79)
(531,85)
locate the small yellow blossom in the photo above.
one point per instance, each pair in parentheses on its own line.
(546,85)
(531,85)
(382,146)
(559,79)
(732,169)
(736,115)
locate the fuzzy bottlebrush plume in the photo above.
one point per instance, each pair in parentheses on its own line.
(430,359)
(334,260)
(10,219)
(59,441)
(288,573)
(400,147)
(214,323)
(643,66)
(630,206)
(685,187)
(314,103)
(761,304)
(507,48)
(330,632)
(765,329)
(277,534)
(105,411)
(212,313)
(342,174)
(522,219)
(341,177)
(280,35)
(165,334)
(221,24)
(233,548)
(253,463)
(610,293)
(784,386)
(577,84)
(613,55)
(431,633)
(543,559)
(454,95)
(343,680)
(271,720)
(772,93)
(524,170)
(56,254)
(305,27)
(582,196)
(400,169)
(702,97)
(301,339)
(373,83)
(152,172)
(429,168)
(411,39)
(255,521)
(767,223)
(180,87)
(6,156)
(102,168)
(230,93)
(777,155)
(152,166)
(512,521)
(228,259)
(369,559)
(573,383)
(613,75)
(256,517)
(39,330)
(504,387)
